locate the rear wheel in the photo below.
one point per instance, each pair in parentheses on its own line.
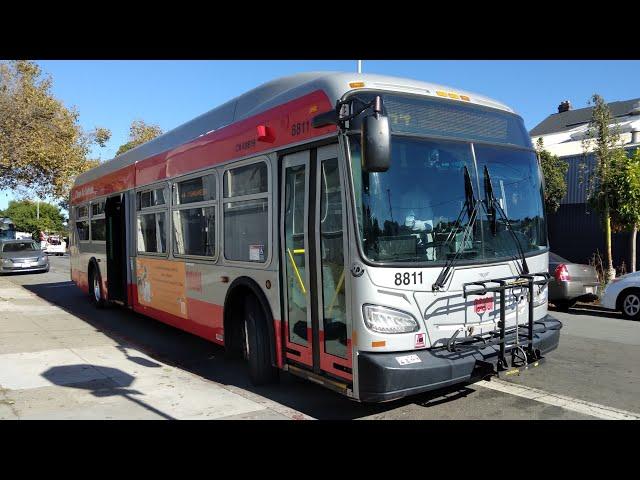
(255,344)
(95,288)
(630,305)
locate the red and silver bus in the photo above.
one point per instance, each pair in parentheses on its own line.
(377,235)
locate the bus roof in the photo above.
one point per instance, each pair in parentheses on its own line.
(269,95)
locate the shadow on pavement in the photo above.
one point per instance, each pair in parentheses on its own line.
(118,381)
(203,358)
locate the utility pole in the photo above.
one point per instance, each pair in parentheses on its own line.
(38,208)
(359,66)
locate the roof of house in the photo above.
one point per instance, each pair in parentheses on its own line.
(572,118)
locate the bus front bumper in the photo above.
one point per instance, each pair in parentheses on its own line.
(382,378)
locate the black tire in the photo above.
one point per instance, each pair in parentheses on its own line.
(629,304)
(564,305)
(96,296)
(256,345)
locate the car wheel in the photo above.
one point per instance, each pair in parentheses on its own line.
(630,305)
(95,288)
(255,344)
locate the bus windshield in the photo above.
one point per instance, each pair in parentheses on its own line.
(409,213)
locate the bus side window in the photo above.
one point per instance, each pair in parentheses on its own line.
(152,209)
(246,213)
(82,223)
(194,216)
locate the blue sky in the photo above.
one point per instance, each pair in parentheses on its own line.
(114,93)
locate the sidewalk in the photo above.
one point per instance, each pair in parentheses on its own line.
(54,365)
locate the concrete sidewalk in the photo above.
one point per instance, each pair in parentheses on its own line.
(54,365)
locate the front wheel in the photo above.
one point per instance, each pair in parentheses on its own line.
(255,344)
(631,305)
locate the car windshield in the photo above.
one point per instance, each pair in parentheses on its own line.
(20,247)
(409,212)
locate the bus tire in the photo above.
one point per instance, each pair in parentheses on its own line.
(255,344)
(95,287)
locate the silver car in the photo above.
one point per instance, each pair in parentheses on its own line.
(571,282)
(22,256)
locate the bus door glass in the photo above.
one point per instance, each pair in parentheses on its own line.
(295,253)
(318,332)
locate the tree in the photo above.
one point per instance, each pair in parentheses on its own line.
(603,139)
(554,171)
(24,214)
(139,133)
(625,207)
(42,146)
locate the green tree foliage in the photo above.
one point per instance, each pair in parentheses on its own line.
(554,171)
(139,133)
(603,139)
(24,214)
(625,207)
(625,188)
(42,146)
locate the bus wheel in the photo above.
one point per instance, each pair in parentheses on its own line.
(255,344)
(95,288)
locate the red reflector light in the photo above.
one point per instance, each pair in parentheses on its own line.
(561,273)
(265,134)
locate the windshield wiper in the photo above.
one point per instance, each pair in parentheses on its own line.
(491,202)
(470,207)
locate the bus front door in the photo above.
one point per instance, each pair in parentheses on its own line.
(317,329)
(116,228)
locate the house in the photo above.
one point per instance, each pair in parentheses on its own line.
(574,230)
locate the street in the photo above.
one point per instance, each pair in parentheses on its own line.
(62,358)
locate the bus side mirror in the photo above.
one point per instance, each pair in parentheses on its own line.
(376,141)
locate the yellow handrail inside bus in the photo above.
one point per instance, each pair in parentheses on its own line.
(335,294)
(295,269)
(298,251)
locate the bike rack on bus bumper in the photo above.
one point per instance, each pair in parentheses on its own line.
(522,358)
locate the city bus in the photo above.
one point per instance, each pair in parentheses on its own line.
(379,236)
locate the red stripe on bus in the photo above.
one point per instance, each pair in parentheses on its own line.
(80,279)
(205,322)
(328,360)
(122,179)
(234,141)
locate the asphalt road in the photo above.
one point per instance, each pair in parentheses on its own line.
(594,372)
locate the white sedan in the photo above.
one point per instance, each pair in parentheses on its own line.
(623,295)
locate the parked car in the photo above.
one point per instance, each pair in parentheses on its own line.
(623,295)
(55,245)
(571,282)
(22,256)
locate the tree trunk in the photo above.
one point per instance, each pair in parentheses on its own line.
(610,272)
(634,234)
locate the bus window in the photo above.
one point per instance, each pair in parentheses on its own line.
(194,228)
(82,223)
(98,226)
(246,213)
(247,180)
(151,233)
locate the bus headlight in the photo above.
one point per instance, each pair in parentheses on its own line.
(387,320)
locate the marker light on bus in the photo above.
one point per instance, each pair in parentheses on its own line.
(356,84)
(387,320)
